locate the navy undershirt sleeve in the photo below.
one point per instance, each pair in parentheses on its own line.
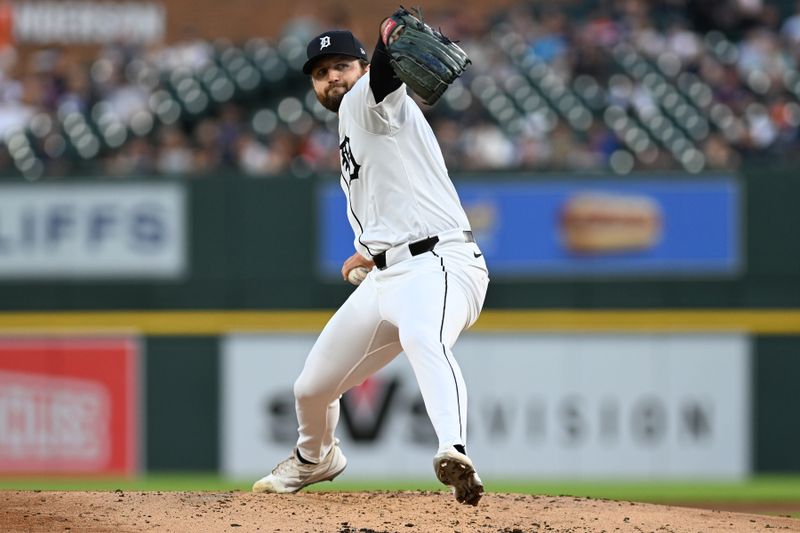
(382,79)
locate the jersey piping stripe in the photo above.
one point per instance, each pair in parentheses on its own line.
(444,351)
(350,206)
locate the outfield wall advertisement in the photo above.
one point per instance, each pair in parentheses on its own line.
(68,405)
(93,231)
(651,227)
(596,406)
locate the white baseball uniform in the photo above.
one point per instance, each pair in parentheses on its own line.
(400,200)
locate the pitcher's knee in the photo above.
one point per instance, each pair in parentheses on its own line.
(420,341)
(309,390)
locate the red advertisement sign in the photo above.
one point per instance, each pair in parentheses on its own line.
(68,405)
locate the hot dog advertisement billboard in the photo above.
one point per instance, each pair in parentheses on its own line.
(654,227)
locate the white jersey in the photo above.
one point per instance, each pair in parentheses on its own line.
(393,172)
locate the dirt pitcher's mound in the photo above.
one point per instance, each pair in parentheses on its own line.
(365,512)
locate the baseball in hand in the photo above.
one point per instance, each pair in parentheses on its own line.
(357,275)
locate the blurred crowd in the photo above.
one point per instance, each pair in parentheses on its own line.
(188,108)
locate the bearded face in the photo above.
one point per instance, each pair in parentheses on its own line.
(331,96)
(333,76)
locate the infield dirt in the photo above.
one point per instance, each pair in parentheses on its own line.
(363,512)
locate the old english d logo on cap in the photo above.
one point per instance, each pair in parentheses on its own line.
(334,42)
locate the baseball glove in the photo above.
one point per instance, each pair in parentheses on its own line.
(420,56)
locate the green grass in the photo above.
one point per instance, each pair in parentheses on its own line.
(163,482)
(757,489)
(764,488)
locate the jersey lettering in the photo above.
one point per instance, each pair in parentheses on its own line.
(403,192)
(349,165)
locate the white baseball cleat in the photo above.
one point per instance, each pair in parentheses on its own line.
(455,469)
(292,475)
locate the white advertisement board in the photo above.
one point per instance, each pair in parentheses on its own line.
(86,21)
(545,406)
(93,231)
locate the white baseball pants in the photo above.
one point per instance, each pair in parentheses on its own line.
(419,305)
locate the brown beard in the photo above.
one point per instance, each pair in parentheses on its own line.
(331,101)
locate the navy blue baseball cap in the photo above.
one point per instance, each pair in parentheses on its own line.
(334,42)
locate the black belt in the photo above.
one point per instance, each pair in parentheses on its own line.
(417,248)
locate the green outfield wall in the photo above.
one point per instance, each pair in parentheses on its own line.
(252,244)
(183,390)
(776,420)
(251,266)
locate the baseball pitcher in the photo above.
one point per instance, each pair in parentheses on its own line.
(421,277)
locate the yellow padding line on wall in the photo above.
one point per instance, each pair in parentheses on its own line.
(756,321)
